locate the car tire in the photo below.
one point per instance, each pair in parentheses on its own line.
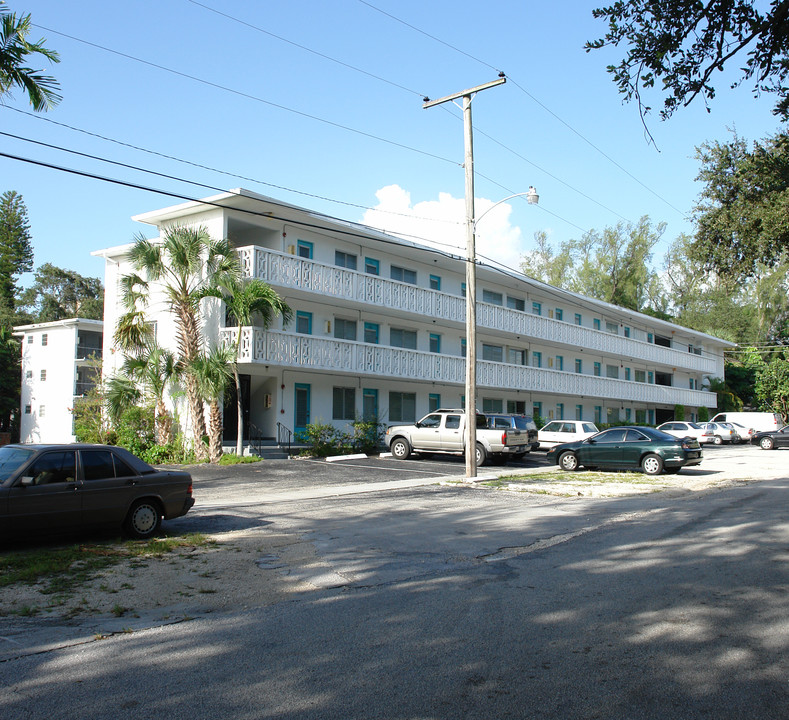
(568,461)
(401,449)
(652,464)
(143,520)
(482,455)
(766,443)
(718,440)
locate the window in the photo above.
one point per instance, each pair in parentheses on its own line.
(97,465)
(558,314)
(559,362)
(43,375)
(612,371)
(403,274)
(463,347)
(516,407)
(303,322)
(344,329)
(54,467)
(435,282)
(536,308)
(44,339)
(641,376)
(516,357)
(537,409)
(452,422)
(494,353)
(597,369)
(492,298)
(596,323)
(628,414)
(627,373)
(402,338)
(463,289)
(598,413)
(692,383)
(346,260)
(650,338)
(29,375)
(492,405)
(372,267)
(343,403)
(433,402)
(579,366)
(516,303)
(651,414)
(611,327)
(536,359)
(402,407)
(579,412)
(612,415)
(370,404)
(560,411)
(578,318)
(627,331)
(435,343)
(42,410)
(650,377)
(641,416)
(431,421)
(371,333)
(29,339)
(304,249)
(28,409)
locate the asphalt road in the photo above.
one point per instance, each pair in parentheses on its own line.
(459,602)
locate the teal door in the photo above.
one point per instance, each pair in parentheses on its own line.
(302,404)
(370,404)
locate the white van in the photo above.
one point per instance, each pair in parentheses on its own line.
(759,421)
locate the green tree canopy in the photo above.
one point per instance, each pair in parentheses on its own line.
(58,294)
(16,248)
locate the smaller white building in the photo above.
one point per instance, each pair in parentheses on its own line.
(57,366)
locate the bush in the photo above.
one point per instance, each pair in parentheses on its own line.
(136,430)
(704,414)
(368,436)
(324,440)
(679,412)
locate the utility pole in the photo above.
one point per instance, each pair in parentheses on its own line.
(471,271)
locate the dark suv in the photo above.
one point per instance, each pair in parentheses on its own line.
(524,423)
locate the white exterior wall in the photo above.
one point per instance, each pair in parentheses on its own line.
(283,363)
(47,400)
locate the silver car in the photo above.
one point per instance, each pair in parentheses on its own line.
(722,432)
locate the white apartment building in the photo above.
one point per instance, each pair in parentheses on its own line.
(379,330)
(57,367)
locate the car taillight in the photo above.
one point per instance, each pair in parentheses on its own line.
(189,490)
(504,438)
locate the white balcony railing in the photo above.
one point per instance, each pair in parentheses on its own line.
(289,271)
(306,352)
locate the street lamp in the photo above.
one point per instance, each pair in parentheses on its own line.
(471,270)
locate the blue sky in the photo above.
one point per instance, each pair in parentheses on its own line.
(546,127)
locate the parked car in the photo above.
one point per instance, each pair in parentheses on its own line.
(687,429)
(628,448)
(46,488)
(759,421)
(745,433)
(722,432)
(772,439)
(524,423)
(557,432)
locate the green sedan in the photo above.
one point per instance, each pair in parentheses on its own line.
(628,448)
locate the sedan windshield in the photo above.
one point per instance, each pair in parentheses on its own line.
(11,459)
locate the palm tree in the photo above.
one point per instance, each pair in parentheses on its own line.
(121,393)
(181,265)
(14,51)
(244,300)
(213,375)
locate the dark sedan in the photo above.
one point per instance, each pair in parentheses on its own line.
(771,439)
(48,488)
(628,448)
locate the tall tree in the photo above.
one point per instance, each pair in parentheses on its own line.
(246,300)
(181,265)
(213,373)
(682,43)
(15,51)
(16,248)
(58,294)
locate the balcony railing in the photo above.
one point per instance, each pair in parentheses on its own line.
(306,352)
(290,271)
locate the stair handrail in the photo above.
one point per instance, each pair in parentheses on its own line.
(284,435)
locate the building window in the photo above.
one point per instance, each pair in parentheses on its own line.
(598,413)
(560,411)
(28,375)
(492,298)
(612,415)
(371,333)
(303,322)
(536,308)
(516,303)
(611,327)
(435,282)
(494,353)
(641,416)
(650,377)
(463,347)
(627,331)
(628,414)
(537,409)
(516,407)
(304,249)
(627,373)
(559,315)
(370,404)
(346,260)
(463,289)
(43,375)
(402,338)
(372,267)
(578,318)
(28,409)
(492,405)
(641,376)
(536,359)
(516,357)
(344,403)
(402,407)
(579,412)
(692,383)
(579,366)
(612,371)
(29,339)
(597,369)
(44,339)
(403,274)
(650,338)
(651,414)
(435,343)
(42,410)
(559,362)
(433,402)
(596,323)
(344,329)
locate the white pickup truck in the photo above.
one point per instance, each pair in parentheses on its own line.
(444,431)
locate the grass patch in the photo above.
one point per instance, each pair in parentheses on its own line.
(591,477)
(63,569)
(230,459)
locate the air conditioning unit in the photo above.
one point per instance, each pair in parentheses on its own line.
(267,400)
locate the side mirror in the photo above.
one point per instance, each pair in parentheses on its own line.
(26,480)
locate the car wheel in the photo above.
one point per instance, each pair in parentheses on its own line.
(401,449)
(144,519)
(718,440)
(766,443)
(482,456)
(652,464)
(568,461)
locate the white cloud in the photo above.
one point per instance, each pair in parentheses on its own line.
(442,223)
